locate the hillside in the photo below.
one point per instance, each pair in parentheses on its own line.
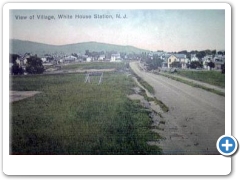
(21,47)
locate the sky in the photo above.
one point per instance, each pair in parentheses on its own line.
(168,30)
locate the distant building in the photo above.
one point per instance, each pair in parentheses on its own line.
(181,58)
(194,57)
(164,65)
(102,57)
(115,57)
(219,59)
(207,59)
(22,60)
(89,59)
(70,58)
(44,59)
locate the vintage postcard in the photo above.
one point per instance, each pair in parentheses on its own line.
(150,79)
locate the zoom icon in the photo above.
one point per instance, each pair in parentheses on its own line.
(227,145)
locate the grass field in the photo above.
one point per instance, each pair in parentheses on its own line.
(211,77)
(71,117)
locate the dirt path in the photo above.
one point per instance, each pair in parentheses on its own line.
(196,118)
(19,95)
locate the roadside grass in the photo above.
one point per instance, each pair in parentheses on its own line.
(161,104)
(143,83)
(158,102)
(94,65)
(71,117)
(211,77)
(193,84)
(151,90)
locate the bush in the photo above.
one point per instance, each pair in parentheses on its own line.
(195,64)
(176,64)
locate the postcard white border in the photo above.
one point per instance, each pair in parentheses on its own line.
(115,165)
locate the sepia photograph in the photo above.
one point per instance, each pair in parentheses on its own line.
(116,81)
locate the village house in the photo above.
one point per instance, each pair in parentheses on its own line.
(194,57)
(70,59)
(181,58)
(22,61)
(207,59)
(88,59)
(101,57)
(115,57)
(44,59)
(219,59)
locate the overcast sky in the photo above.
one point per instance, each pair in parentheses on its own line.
(168,30)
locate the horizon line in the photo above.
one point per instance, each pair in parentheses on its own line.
(113,44)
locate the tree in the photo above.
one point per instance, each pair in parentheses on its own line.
(75,55)
(214,52)
(201,54)
(176,64)
(17,70)
(87,52)
(195,64)
(13,58)
(183,52)
(223,68)
(221,53)
(211,65)
(208,52)
(34,65)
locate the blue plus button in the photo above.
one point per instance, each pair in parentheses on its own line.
(227,145)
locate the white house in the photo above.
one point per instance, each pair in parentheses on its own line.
(219,59)
(194,57)
(22,61)
(181,58)
(88,59)
(207,59)
(115,57)
(44,59)
(70,58)
(102,57)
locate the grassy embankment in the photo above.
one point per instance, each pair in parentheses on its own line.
(70,117)
(210,77)
(151,90)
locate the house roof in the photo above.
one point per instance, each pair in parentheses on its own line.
(167,55)
(115,54)
(179,56)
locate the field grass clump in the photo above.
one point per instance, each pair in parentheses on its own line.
(73,117)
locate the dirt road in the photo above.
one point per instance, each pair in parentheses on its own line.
(196,118)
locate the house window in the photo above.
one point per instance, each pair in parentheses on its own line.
(169,60)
